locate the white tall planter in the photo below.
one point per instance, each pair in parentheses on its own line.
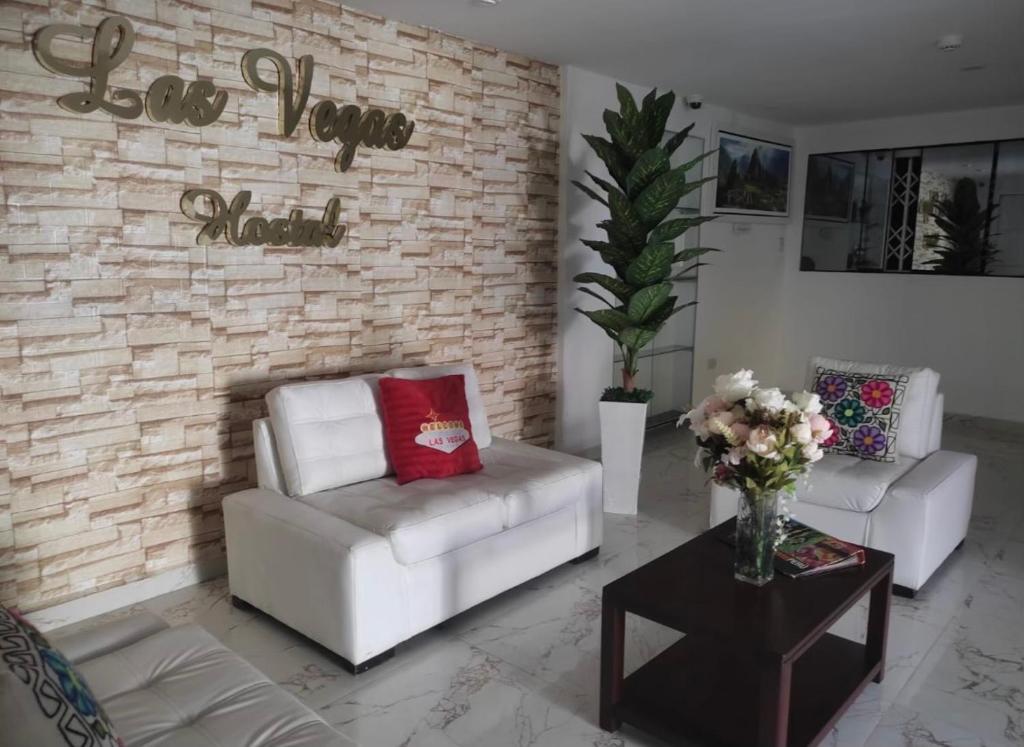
(622,445)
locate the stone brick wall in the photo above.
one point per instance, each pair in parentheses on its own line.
(132,361)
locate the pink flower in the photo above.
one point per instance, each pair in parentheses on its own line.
(740,432)
(714,404)
(821,428)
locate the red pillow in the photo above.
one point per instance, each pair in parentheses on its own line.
(426,427)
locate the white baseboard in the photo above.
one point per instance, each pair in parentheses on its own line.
(122,596)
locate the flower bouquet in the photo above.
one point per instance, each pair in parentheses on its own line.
(758,442)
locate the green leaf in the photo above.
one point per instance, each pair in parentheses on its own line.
(694,161)
(685,255)
(636,338)
(660,111)
(613,255)
(626,219)
(627,105)
(665,312)
(602,183)
(669,230)
(614,160)
(651,164)
(616,287)
(676,140)
(646,300)
(682,274)
(663,194)
(589,192)
(653,265)
(628,138)
(598,296)
(625,242)
(610,320)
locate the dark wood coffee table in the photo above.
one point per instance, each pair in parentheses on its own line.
(756,666)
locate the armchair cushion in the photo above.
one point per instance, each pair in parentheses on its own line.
(849,483)
(914,438)
(863,410)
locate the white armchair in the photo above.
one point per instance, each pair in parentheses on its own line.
(917,508)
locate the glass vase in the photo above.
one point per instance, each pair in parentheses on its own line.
(756,533)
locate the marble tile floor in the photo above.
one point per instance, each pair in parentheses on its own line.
(522,670)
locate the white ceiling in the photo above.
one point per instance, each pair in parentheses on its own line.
(797,61)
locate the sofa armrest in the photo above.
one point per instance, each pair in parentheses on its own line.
(334,582)
(931,473)
(83,645)
(925,515)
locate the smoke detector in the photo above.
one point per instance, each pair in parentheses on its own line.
(950,42)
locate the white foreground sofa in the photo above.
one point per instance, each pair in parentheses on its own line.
(178,687)
(332,546)
(917,508)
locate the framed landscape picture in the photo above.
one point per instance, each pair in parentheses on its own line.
(829,189)
(753,176)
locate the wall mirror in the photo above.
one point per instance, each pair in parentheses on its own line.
(950,209)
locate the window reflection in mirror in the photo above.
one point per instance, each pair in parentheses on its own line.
(1008,206)
(951,209)
(952,230)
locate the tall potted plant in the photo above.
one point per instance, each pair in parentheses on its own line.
(640,248)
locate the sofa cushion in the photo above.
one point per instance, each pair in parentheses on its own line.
(535,482)
(182,688)
(328,433)
(477,412)
(44,699)
(427,518)
(849,483)
(421,519)
(914,436)
(427,428)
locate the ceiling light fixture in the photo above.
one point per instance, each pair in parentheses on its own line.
(972,68)
(487,3)
(950,42)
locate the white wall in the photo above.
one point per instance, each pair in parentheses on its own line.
(970,330)
(740,309)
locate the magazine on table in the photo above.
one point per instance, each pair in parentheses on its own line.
(806,551)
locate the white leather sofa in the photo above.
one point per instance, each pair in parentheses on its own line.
(332,546)
(917,508)
(180,687)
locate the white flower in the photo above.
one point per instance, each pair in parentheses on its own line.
(772,400)
(698,421)
(808,402)
(764,443)
(735,386)
(812,452)
(801,432)
(735,455)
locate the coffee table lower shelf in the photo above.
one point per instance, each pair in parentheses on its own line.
(696,690)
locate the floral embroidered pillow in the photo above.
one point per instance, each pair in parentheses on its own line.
(43,699)
(864,411)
